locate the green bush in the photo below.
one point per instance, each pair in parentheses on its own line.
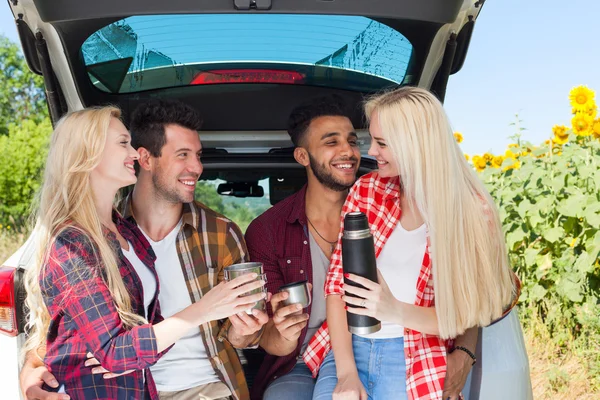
(22,156)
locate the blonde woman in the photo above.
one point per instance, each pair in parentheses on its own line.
(441,258)
(85,297)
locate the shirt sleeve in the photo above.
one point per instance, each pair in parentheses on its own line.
(73,277)
(335,275)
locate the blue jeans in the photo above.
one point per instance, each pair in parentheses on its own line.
(298,384)
(381,369)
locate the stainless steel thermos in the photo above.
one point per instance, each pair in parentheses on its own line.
(358,258)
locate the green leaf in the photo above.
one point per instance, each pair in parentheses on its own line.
(524,207)
(571,290)
(584,263)
(514,237)
(592,215)
(537,293)
(554,234)
(530,256)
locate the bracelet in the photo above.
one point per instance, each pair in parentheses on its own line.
(469,353)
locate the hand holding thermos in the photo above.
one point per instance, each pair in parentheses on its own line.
(369,299)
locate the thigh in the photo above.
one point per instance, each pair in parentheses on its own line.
(326,380)
(298,384)
(390,370)
(361,348)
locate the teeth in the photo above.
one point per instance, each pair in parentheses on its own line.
(344,166)
(188,183)
(381,162)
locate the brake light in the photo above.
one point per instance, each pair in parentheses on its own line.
(8,313)
(218,76)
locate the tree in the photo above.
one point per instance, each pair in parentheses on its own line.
(22,93)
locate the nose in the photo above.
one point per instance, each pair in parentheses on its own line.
(195,166)
(133,153)
(373,150)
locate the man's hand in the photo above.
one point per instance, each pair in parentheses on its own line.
(243,324)
(33,378)
(459,366)
(98,369)
(288,320)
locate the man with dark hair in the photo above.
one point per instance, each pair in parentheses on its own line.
(193,244)
(295,238)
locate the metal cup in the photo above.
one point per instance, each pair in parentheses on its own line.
(297,293)
(235,270)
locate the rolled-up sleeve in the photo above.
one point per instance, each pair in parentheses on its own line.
(72,281)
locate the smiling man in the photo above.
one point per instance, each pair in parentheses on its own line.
(294,240)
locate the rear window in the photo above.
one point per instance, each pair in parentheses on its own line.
(150,52)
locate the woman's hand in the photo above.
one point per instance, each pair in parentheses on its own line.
(349,387)
(377,299)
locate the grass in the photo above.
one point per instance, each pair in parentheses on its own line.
(556,372)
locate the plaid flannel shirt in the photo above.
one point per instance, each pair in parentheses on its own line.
(425,355)
(206,244)
(84,318)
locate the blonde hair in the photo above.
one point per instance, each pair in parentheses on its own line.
(66,201)
(471,276)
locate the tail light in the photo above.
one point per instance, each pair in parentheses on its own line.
(219,76)
(11,302)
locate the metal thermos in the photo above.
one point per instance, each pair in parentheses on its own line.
(358,257)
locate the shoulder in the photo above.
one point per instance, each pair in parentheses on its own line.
(371,183)
(208,216)
(275,216)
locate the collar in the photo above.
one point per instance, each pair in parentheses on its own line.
(392,187)
(190,212)
(298,211)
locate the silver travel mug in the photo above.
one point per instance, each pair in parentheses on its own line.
(297,293)
(358,257)
(233,271)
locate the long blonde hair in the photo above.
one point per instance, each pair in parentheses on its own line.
(66,201)
(471,276)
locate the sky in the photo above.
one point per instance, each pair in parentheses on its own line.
(524,58)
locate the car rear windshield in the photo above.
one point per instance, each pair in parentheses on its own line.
(158,51)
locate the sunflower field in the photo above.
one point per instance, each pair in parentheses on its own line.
(549,201)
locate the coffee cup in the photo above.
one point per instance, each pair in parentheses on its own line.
(298,293)
(235,270)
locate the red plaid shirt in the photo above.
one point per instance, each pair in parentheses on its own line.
(425,355)
(84,318)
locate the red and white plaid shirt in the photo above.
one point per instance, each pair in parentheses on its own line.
(379,199)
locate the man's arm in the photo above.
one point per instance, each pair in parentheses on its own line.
(33,375)
(282,341)
(459,364)
(241,330)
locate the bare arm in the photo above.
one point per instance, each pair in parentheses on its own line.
(341,343)
(459,364)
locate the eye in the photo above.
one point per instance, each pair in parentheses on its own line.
(331,143)
(182,155)
(381,144)
(124,143)
(353,143)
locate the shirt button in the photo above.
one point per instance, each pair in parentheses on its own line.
(301,271)
(305,242)
(275,377)
(407,331)
(289,261)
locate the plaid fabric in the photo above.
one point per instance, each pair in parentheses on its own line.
(279,239)
(84,318)
(206,244)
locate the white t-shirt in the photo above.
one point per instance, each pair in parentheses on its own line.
(186,365)
(400,263)
(145,275)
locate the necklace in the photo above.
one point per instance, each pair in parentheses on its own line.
(331,244)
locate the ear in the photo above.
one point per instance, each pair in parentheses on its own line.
(145,160)
(301,156)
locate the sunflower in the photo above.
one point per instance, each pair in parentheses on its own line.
(479,163)
(512,145)
(458,136)
(592,111)
(561,134)
(497,161)
(467,157)
(510,154)
(581,98)
(488,157)
(582,125)
(596,128)
(515,165)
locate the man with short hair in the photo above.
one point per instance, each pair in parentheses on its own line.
(193,244)
(295,238)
